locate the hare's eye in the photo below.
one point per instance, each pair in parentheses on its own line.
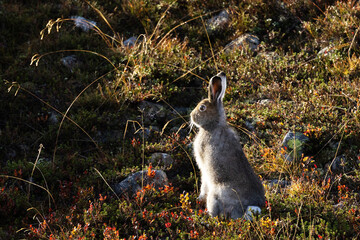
(202,108)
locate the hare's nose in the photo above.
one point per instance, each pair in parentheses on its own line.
(221,74)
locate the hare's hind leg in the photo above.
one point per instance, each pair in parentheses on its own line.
(213,205)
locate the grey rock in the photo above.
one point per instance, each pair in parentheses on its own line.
(133,183)
(250,124)
(130,42)
(53,118)
(161,159)
(294,143)
(153,112)
(250,212)
(71,62)
(244,42)
(218,22)
(337,165)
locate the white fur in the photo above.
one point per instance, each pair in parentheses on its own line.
(223,86)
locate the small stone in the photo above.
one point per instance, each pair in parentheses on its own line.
(250,124)
(158,179)
(71,62)
(244,42)
(339,205)
(43,161)
(265,101)
(130,42)
(83,23)
(270,56)
(218,22)
(326,51)
(294,144)
(251,211)
(53,118)
(161,159)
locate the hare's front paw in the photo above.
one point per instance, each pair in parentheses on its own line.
(202,197)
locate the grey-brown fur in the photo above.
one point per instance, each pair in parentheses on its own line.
(228,183)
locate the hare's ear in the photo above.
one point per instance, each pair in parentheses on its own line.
(217,87)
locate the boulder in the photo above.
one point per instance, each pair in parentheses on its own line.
(161,159)
(246,42)
(294,143)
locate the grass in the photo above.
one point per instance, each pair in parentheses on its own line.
(68,135)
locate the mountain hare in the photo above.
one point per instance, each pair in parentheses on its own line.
(228,183)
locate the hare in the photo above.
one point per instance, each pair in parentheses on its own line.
(229,185)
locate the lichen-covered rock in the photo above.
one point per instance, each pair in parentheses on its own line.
(246,42)
(133,183)
(161,159)
(294,144)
